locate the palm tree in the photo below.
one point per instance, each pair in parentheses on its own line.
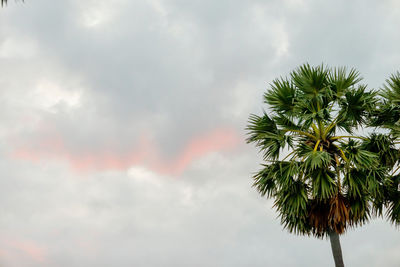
(318,170)
(386,116)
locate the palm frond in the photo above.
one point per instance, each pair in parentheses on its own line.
(264,133)
(359,208)
(393,210)
(360,157)
(264,181)
(391,90)
(317,159)
(291,204)
(286,123)
(355,182)
(392,200)
(310,80)
(323,183)
(383,146)
(355,106)
(282,96)
(341,81)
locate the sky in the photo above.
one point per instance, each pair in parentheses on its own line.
(122,128)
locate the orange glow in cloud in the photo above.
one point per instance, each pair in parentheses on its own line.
(146,153)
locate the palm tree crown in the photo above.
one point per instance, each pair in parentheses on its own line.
(323,183)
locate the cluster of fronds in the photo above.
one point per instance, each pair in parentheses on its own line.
(332,177)
(386,116)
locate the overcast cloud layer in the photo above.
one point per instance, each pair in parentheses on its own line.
(122,128)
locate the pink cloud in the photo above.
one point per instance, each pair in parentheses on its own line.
(217,140)
(13,249)
(145,153)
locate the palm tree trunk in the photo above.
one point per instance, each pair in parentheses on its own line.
(336,249)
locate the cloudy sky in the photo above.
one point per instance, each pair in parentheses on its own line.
(122,128)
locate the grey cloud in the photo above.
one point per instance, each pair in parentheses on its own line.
(172,70)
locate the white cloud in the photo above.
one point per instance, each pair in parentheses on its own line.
(97,13)
(274,30)
(145,176)
(48,94)
(18,48)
